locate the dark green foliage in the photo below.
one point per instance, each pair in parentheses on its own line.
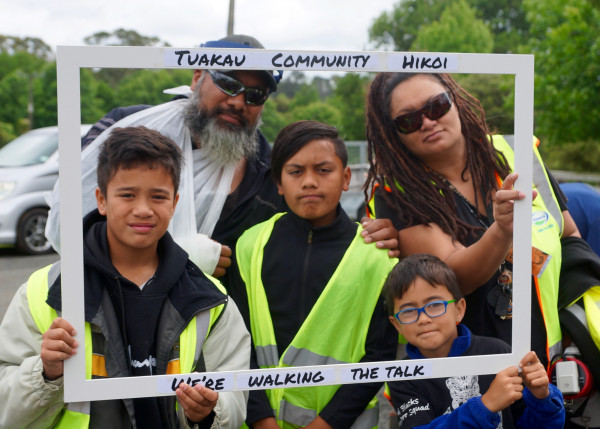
(496,94)
(147,86)
(563,36)
(350,98)
(566,42)
(12,45)
(122,37)
(582,156)
(399,29)
(448,33)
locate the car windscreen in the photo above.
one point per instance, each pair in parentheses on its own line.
(33,147)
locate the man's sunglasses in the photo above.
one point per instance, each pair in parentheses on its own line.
(233,87)
(435,108)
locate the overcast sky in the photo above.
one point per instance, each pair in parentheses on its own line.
(338,25)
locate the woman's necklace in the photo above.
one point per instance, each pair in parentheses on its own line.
(502,302)
(471,207)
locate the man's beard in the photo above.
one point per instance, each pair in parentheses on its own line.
(223,143)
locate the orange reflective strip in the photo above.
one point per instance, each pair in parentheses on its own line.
(173,367)
(99,366)
(372,199)
(539,298)
(376,185)
(498,179)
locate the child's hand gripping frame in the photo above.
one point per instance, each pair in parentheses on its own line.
(69,62)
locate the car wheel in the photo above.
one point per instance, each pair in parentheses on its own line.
(31,237)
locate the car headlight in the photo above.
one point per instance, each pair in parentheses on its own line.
(6,188)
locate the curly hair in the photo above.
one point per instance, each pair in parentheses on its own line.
(418,194)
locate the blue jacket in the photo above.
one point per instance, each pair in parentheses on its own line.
(456,401)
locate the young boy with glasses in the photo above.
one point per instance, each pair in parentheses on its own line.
(426,306)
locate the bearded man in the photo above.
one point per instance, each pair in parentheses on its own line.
(226,185)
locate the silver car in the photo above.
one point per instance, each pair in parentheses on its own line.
(28,171)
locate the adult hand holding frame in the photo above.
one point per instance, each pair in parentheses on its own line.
(69,62)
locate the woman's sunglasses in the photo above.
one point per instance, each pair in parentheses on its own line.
(435,108)
(233,87)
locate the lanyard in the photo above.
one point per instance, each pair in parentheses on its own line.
(502,302)
(472,209)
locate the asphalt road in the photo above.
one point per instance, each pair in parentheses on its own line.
(15,269)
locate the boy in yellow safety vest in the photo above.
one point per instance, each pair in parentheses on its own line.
(148,309)
(309,288)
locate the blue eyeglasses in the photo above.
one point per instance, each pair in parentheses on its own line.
(433,309)
(233,87)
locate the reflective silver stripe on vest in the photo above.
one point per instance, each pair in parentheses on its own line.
(295,415)
(79,407)
(368,419)
(299,416)
(202,324)
(579,313)
(555,350)
(542,185)
(304,357)
(267,356)
(53,273)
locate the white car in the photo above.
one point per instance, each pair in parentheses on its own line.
(28,171)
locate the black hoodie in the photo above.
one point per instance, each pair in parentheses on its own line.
(143,319)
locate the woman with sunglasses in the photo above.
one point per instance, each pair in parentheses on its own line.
(447,185)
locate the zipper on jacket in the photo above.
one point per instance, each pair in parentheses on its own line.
(175,338)
(305,275)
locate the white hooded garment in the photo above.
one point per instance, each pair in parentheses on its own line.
(203,188)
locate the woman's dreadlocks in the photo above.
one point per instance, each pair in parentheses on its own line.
(416,192)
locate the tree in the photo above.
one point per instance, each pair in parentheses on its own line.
(305,95)
(399,28)
(105,95)
(324,86)
(7,133)
(31,45)
(496,95)
(316,111)
(273,119)
(13,97)
(92,106)
(291,83)
(507,21)
(21,60)
(449,35)
(44,96)
(18,72)
(147,86)
(349,98)
(24,61)
(566,43)
(122,37)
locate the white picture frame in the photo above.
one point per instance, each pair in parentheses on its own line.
(70,59)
